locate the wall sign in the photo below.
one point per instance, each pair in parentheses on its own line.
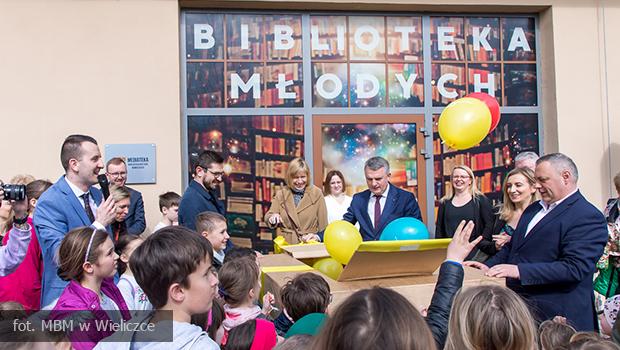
(140,158)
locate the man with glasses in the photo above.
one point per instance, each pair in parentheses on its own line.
(116,171)
(201,195)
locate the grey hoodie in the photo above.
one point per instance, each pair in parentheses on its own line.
(185,336)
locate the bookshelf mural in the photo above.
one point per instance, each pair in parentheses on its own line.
(256,151)
(252,66)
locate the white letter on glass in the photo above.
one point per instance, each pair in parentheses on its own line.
(489,85)
(314,37)
(374,41)
(320,86)
(361,92)
(203,36)
(406,84)
(442,90)
(445,42)
(283,37)
(481,38)
(281,86)
(245,44)
(404,36)
(253,84)
(518,39)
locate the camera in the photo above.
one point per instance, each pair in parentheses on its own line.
(14,192)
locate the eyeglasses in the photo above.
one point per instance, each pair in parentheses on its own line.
(216,174)
(462,177)
(119,174)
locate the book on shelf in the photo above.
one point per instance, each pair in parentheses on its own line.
(243,205)
(241,224)
(278,146)
(240,166)
(283,124)
(271,168)
(241,186)
(266,189)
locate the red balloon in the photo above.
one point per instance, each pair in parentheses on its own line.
(491,102)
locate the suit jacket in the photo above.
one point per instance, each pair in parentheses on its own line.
(399,203)
(557,260)
(310,216)
(195,200)
(135,221)
(58,212)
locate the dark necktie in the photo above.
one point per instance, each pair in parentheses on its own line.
(377,210)
(87,208)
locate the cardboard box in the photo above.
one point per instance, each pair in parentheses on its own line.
(408,270)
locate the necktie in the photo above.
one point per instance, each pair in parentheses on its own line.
(87,208)
(377,210)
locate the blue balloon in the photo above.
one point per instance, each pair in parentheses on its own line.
(404,229)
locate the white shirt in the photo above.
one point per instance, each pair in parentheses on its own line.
(545,209)
(93,206)
(335,210)
(371,204)
(134,296)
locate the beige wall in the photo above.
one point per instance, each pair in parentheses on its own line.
(111,69)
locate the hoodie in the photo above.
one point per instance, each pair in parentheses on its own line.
(185,336)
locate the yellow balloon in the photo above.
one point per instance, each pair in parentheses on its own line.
(329,267)
(341,240)
(464,123)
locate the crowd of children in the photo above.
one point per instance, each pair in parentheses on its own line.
(182,289)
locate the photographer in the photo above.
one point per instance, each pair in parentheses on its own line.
(14,252)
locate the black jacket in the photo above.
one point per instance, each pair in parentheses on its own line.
(483,221)
(450,280)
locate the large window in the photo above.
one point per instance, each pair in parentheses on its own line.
(255,83)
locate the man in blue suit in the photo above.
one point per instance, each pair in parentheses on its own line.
(552,255)
(70,203)
(200,195)
(381,203)
(116,171)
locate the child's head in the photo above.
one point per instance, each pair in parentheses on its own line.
(125,245)
(296,342)
(122,200)
(173,267)
(252,334)
(86,252)
(554,334)
(240,252)
(239,282)
(12,310)
(305,294)
(169,205)
(376,318)
(490,316)
(610,313)
(212,226)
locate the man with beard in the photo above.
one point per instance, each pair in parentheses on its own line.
(70,203)
(200,196)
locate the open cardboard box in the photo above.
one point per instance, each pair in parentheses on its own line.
(408,267)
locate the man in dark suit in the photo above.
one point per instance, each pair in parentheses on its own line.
(552,255)
(200,196)
(116,171)
(381,203)
(70,203)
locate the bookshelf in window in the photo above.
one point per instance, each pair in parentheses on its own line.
(491,160)
(257,151)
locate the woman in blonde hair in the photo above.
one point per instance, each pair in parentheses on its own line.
(463,201)
(519,192)
(298,209)
(490,317)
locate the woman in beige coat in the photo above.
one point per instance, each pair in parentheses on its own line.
(298,210)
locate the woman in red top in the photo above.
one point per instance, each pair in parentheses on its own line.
(24,284)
